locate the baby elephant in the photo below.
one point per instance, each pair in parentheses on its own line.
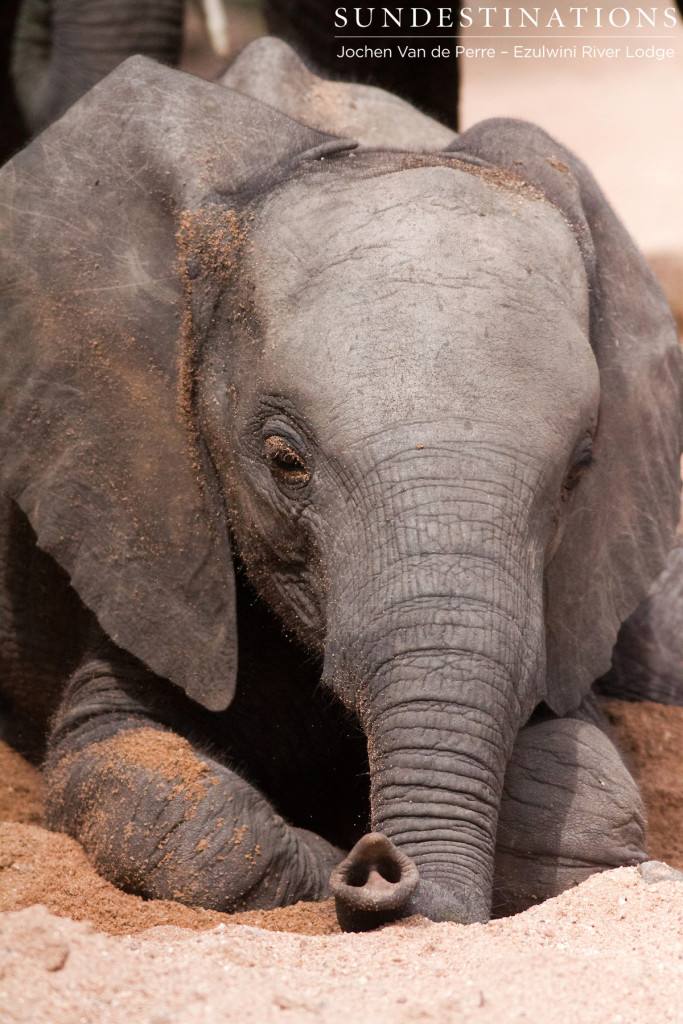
(329,473)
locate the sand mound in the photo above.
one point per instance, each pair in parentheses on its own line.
(610,950)
(43,867)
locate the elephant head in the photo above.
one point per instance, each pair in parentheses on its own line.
(432,399)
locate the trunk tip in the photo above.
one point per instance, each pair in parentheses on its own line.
(373,885)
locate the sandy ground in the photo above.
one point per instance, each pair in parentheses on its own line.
(75,949)
(611,950)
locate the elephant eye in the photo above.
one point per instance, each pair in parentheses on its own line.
(583,458)
(286,464)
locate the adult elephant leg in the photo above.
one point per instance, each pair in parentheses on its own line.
(431,84)
(62,48)
(159,817)
(12,128)
(570,808)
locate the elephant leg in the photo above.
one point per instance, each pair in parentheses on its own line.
(570,808)
(160,817)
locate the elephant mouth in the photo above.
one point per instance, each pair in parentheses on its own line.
(373,885)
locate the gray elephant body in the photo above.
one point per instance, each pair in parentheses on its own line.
(395,383)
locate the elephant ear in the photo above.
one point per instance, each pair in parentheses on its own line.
(625,510)
(98,427)
(271,71)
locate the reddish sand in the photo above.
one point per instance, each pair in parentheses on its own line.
(609,950)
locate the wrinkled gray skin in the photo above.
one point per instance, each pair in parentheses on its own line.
(468,453)
(377,377)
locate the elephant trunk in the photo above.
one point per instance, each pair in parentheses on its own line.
(441,710)
(62,48)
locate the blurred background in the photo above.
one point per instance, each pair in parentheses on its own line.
(624,117)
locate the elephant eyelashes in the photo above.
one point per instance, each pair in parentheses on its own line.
(286,465)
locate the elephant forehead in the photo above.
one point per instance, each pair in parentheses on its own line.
(434,225)
(431,276)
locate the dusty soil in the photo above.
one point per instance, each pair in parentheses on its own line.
(651,738)
(610,950)
(72,947)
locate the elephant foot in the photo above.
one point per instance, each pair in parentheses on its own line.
(377,884)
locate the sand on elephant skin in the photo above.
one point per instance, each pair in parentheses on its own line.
(37,866)
(610,950)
